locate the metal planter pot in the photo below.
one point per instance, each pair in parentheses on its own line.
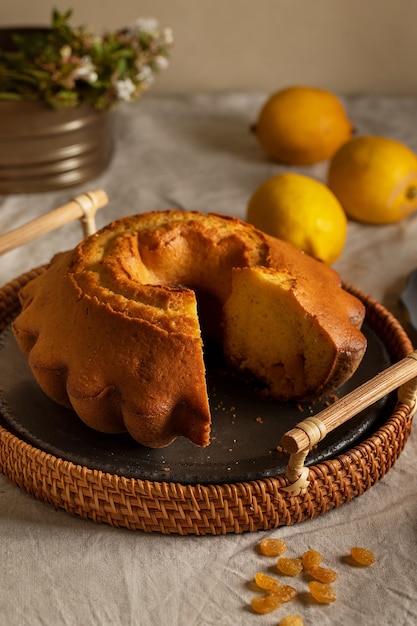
(43,149)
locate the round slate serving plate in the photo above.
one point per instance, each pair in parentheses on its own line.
(246,428)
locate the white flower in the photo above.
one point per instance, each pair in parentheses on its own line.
(161,62)
(145,74)
(65,52)
(146,25)
(86,70)
(168,36)
(124,89)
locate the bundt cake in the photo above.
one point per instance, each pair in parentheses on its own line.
(113,328)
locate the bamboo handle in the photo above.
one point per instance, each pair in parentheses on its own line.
(298,438)
(82,207)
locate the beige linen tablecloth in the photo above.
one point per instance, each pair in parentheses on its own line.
(196,152)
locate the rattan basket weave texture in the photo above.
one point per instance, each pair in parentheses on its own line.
(173,508)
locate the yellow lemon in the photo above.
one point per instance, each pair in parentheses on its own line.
(300,210)
(302,125)
(375,179)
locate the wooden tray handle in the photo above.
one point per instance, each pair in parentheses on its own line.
(304,436)
(82,207)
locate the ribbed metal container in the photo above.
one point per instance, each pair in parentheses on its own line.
(43,149)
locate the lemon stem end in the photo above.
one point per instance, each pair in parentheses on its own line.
(411,193)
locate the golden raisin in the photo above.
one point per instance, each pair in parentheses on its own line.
(266,582)
(311,558)
(322,592)
(272,547)
(323,574)
(291,620)
(285,593)
(265,604)
(289,567)
(362,556)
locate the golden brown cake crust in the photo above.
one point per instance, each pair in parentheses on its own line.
(111,328)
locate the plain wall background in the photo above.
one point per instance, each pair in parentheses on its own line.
(348,46)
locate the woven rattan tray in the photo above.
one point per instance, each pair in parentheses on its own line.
(201,509)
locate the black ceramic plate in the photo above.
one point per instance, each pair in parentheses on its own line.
(409,299)
(245,432)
